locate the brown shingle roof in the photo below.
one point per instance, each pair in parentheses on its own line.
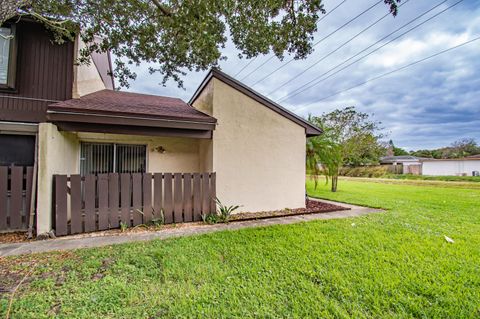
(108,102)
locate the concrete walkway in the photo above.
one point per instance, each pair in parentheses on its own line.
(86,241)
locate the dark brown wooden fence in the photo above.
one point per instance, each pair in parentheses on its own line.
(104,201)
(15,197)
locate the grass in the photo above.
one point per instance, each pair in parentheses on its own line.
(436,178)
(390,265)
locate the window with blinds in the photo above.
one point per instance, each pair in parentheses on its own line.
(99,158)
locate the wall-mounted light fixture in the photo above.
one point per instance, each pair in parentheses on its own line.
(159,149)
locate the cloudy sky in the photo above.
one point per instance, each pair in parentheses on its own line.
(428,105)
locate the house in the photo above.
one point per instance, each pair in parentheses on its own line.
(403,164)
(96,157)
(468,166)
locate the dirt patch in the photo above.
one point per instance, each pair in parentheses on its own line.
(13,270)
(312,207)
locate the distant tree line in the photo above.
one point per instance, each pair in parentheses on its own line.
(458,149)
(353,139)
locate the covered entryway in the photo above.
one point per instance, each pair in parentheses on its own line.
(117,159)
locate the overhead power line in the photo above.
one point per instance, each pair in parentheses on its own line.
(319,79)
(245,66)
(336,50)
(258,67)
(391,72)
(322,39)
(333,10)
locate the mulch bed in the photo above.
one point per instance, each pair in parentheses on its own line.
(312,207)
(13,237)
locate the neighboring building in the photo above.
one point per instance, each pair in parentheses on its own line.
(403,164)
(469,166)
(84,130)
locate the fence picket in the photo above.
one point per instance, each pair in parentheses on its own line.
(102,201)
(76,219)
(113,200)
(28,193)
(197,197)
(137,199)
(178,198)
(187,197)
(157,195)
(168,200)
(61,205)
(213,192)
(205,194)
(16,189)
(147,198)
(125,198)
(90,213)
(3,196)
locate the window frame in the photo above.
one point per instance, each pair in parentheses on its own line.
(12,60)
(114,158)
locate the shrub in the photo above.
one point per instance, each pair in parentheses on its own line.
(364,171)
(222,214)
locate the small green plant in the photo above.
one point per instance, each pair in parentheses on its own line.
(222,215)
(224,212)
(123,227)
(210,218)
(160,220)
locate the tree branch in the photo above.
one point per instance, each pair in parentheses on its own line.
(162,8)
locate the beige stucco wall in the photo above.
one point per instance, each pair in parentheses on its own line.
(86,78)
(181,154)
(258,155)
(59,153)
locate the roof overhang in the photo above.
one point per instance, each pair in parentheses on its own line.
(134,125)
(310,130)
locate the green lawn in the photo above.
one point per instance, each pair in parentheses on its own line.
(436,178)
(391,265)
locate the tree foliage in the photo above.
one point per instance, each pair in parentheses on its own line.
(458,149)
(395,151)
(178,35)
(349,137)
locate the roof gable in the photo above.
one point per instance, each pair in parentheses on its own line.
(310,129)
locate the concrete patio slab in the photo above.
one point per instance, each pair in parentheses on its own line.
(82,241)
